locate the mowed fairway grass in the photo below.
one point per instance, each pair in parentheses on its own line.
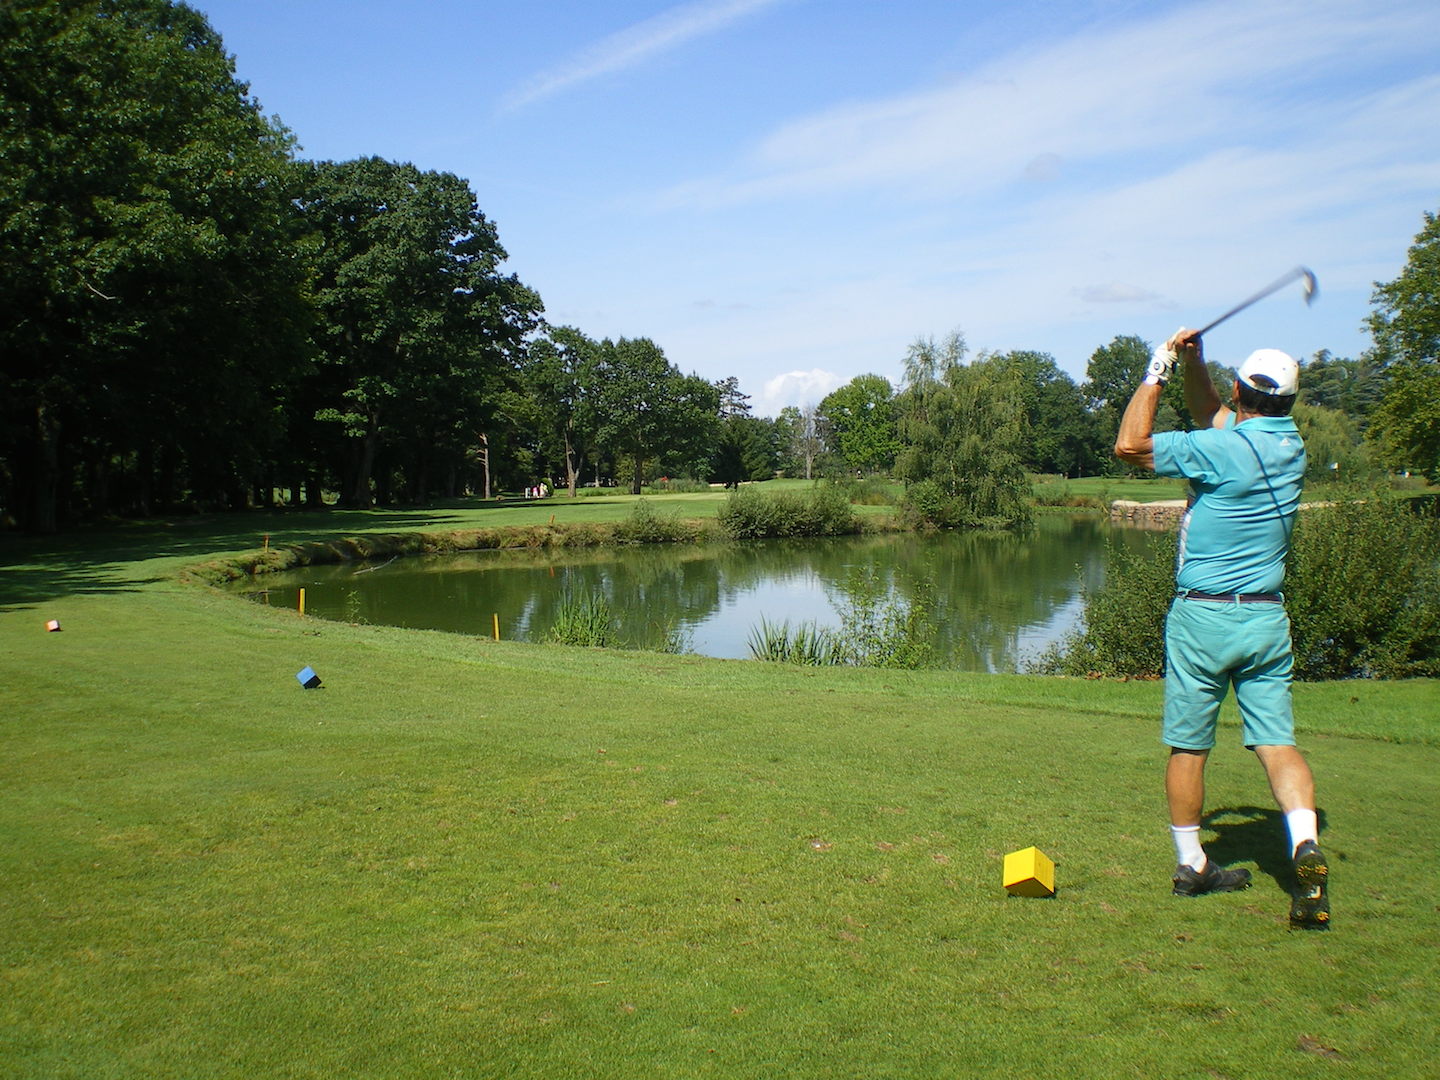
(463,858)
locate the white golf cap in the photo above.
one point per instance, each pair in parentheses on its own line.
(1271,372)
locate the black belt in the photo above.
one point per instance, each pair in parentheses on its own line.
(1235,598)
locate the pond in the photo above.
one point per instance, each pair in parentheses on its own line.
(999,599)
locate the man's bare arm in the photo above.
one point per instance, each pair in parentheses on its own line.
(1200,396)
(1133,444)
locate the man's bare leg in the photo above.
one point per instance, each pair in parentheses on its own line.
(1291,781)
(1185,790)
(1293,785)
(1185,785)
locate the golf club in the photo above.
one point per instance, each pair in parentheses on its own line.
(1311,287)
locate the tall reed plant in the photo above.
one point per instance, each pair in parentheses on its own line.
(583,620)
(806,643)
(876,629)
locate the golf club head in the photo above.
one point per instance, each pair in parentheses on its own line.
(1311,285)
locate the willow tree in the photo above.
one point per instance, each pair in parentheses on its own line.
(963,432)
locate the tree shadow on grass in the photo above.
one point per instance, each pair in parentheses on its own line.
(109,558)
(1253,834)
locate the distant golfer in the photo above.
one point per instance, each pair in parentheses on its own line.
(1227,624)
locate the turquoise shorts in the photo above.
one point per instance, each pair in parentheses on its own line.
(1213,644)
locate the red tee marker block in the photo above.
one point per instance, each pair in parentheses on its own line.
(1029,873)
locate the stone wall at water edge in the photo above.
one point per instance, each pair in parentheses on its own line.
(1164,514)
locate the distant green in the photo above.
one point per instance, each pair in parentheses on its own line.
(463,858)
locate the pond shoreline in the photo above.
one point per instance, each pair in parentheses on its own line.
(1000,601)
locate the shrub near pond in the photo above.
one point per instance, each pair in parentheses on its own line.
(753,514)
(1123,633)
(1362,587)
(646,525)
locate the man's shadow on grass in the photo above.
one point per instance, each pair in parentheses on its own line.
(1254,834)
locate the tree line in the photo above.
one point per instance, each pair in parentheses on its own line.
(193,316)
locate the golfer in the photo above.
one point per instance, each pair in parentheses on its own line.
(1227,624)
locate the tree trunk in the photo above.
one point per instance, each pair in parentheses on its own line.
(485,462)
(572,468)
(144,487)
(361,497)
(165,494)
(420,481)
(40,512)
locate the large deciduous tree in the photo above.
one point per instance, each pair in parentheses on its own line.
(151,290)
(1111,376)
(557,374)
(646,411)
(1113,373)
(1062,434)
(419,334)
(861,419)
(1405,426)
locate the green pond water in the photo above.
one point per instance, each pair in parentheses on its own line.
(999,599)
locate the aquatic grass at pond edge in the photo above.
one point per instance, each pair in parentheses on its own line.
(584,621)
(876,630)
(803,643)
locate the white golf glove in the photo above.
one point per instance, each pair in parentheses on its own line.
(1162,365)
(1163,361)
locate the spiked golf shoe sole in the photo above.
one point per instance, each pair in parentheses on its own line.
(1310,903)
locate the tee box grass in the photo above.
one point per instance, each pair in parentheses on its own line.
(463,858)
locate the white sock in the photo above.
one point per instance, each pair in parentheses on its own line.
(1303,825)
(1188,851)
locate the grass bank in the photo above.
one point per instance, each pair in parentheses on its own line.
(467,858)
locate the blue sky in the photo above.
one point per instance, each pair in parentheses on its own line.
(794,191)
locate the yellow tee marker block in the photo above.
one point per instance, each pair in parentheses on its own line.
(1029,873)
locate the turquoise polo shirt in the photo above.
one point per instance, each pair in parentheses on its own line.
(1245,485)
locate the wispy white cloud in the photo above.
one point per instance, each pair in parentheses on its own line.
(1114,292)
(634,45)
(1210,72)
(1141,172)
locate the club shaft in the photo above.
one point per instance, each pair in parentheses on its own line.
(1274,286)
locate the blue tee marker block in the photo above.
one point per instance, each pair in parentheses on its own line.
(308,679)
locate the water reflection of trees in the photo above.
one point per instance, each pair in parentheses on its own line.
(987,591)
